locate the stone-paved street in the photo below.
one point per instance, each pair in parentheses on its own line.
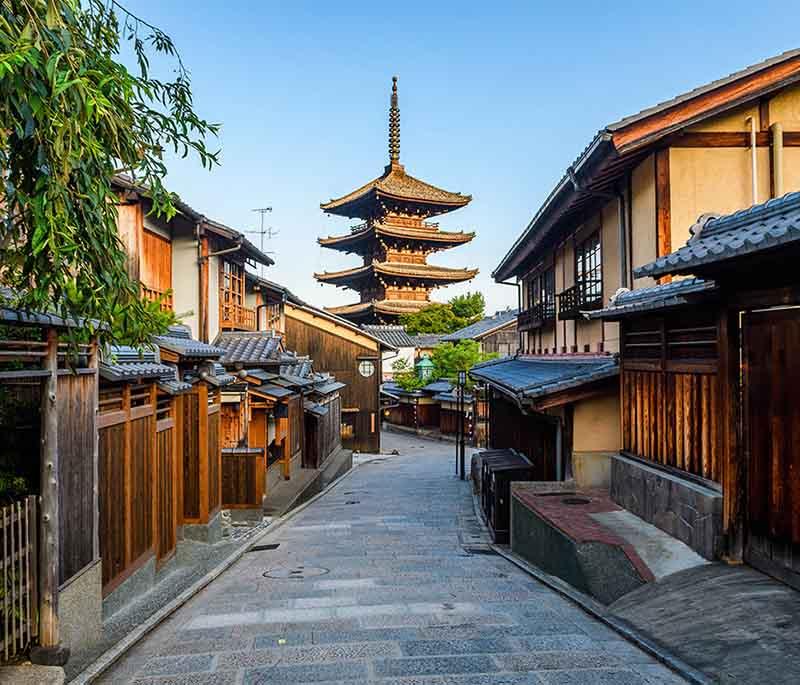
(372,584)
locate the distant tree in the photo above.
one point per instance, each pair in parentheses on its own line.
(438,317)
(405,375)
(448,358)
(468,307)
(71,116)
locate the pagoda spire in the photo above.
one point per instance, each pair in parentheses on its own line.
(394,126)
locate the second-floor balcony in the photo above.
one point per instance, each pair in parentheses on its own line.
(235,317)
(584,296)
(536,316)
(154,295)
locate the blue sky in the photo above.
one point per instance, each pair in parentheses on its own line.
(496,99)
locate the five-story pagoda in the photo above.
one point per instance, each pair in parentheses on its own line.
(394,239)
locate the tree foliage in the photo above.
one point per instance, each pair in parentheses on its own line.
(405,375)
(448,358)
(71,116)
(437,317)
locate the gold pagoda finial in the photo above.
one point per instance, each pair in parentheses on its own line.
(394,126)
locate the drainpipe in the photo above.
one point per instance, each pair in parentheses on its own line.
(519,309)
(777,158)
(202,314)
(219,253)
(753,157)
(622,212)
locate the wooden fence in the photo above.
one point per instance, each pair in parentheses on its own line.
(244,474)
(18,556)
(201,454)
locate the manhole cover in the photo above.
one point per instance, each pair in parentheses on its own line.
(575,500)
(296,572)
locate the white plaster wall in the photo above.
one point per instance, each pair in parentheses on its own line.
(213,298)
(186,281)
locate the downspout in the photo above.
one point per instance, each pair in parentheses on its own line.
(753,157)
(202,314)
(622,212)
(777,158)
(227,250)
(519,309)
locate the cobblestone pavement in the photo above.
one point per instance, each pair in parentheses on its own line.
(372,584)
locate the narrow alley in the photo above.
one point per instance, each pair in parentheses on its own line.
(372,583)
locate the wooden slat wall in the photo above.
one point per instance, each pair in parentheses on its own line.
(112,501)
(76,430)
(401,415)
(428,415)
(166,493)
(140,484)
(191,457)
(155,268)
(243,480)
(214,463)
(673,419)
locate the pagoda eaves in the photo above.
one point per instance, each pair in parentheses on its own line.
(359,240)
(415,273)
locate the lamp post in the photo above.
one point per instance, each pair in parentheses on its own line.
(460,449)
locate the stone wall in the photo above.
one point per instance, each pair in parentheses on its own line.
(682,508)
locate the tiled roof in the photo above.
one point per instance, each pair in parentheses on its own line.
(178,340)
(438,386)
(13,315)
(272,391)
(328,386)
(172,385)
(315,408)
(394,307)
(452,397)
(393,389)
(365,234)
(427,339)
(715,239)
(395,183)
(428,272)
(528,378)
(392,334)
(674,294)
(125,363)
(482,327)
(260,347)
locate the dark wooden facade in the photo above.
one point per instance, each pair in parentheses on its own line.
(340,350)
(323,433)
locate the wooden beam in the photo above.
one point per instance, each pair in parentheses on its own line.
(663,215)
(715,139)
(702,106)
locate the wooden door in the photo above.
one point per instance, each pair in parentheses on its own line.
(771,425)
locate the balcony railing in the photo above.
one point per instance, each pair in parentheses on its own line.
(153,295)
(236,317)
(583,296)
(537,316)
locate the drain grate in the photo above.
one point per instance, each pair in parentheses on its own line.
(264,548)
(479,550)
(295,572)
(352,501)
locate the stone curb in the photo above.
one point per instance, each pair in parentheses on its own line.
(111,656)
(598,611)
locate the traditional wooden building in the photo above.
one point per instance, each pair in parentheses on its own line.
(394,240)
(211,294)
(711,390)
(629,197)
(496,334)
(403,344)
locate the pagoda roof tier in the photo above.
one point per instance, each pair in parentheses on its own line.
(415,272)
(361,237)
(397,186)
(377,309)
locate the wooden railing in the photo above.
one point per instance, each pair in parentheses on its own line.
(153,295)
(236,317)
(584,296)
(536,316)
(19,603)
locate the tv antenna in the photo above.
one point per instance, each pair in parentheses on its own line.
(268,232)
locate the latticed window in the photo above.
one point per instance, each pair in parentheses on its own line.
(233,313)
(588,268)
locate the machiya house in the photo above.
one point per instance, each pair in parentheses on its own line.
(629,199)
(709,387)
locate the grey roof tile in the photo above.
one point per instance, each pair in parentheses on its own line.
(178,340)
(485,325)
(260,347)
(674,294)
(123,363)
(392,334)
(427,339)
(755,230)
(533,377)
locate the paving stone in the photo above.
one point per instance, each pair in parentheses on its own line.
(434,666)
(306,674)
(593,677)
(368,635)
(445,647)
(169,665)
(540,661)
(216,678)
(549,643)
(480,679)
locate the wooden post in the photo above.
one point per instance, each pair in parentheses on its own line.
(50,651)
(94,365)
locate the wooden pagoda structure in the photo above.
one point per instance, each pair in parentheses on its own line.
(394,239)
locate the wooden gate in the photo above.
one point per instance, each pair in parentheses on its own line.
(771,427)
(19,604)
(167,476)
